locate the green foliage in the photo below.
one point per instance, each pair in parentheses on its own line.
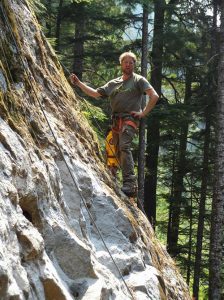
(97,120)
(37,6)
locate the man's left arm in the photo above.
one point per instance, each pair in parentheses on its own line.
(152,102)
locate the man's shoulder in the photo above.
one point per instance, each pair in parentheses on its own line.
(138,77)
(115,80)
(142,82)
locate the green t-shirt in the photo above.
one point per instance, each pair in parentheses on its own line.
(125,95)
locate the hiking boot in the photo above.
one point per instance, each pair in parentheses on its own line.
(130,192)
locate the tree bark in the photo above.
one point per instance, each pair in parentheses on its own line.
(217,219)
(190,237)
(141,152)
(178,185)
(153,124)
(205,165)
(48,22)
(79,42)
(58,26)
(201,217)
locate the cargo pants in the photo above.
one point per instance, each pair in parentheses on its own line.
(123,140)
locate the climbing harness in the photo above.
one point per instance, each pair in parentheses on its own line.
(119,120)
(60,150)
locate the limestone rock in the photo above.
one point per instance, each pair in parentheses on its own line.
(54,190)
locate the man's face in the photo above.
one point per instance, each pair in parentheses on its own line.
(127,65)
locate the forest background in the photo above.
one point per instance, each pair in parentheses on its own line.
(177,43)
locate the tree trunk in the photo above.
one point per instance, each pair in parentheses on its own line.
(217,219)
(141,152)
(49,15)
(172,190)
(201,217)
(79,42)
(58,26)
(205,168)
(178,185)
(190,237)
(153,132)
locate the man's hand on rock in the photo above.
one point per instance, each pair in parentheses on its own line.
(74,79)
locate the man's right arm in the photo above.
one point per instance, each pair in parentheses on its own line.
(85,88)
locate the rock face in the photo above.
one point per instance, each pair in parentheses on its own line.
(54,189)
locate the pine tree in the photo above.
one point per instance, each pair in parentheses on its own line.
(144,64)
(153,122)
(217,221)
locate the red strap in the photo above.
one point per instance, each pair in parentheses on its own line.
(131,123)
(121,123)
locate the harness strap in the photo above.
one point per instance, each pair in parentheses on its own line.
(131,123)
(120,122)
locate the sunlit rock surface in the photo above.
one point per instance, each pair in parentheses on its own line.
(50,247)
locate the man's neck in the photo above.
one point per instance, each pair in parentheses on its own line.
(126,76)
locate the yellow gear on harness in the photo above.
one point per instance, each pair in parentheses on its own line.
(112,161)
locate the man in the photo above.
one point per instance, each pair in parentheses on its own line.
(125,94)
